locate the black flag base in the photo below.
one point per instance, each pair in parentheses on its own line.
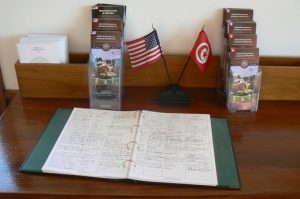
(173,95)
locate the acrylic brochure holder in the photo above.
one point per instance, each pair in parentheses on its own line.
(243,93)
(239,73)
(105,90)
(106,56)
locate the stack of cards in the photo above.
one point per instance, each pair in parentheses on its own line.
(106,56)
(239,72)
(36,48)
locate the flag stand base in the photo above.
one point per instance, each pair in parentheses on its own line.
(173,95)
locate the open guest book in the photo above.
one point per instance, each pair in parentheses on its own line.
(143,145)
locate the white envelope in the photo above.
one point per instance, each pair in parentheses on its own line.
(43,49)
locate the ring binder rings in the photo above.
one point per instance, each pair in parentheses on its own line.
(124,162)
(110,165)
(131,142)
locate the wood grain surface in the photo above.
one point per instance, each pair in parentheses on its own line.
(266,144)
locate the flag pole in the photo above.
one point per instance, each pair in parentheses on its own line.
(186,64)
(172,94)
(163,57)
(166,67)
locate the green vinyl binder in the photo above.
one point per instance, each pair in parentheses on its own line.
(44,145)
(227,172)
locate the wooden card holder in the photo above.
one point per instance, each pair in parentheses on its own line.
(280,77)
(54,80)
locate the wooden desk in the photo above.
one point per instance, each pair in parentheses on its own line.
(2,95)
(267,146)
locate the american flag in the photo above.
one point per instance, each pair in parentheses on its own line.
(145,50)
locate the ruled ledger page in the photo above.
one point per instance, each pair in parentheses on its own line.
(94,143)
(174,148)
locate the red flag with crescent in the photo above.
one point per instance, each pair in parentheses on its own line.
(201,52)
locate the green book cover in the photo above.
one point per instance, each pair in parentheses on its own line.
(226,166)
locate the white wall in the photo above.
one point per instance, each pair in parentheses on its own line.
(177,23)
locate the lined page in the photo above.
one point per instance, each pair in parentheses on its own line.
(94,143)
(174,148)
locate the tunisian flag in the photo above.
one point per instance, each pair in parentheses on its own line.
(201,52)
